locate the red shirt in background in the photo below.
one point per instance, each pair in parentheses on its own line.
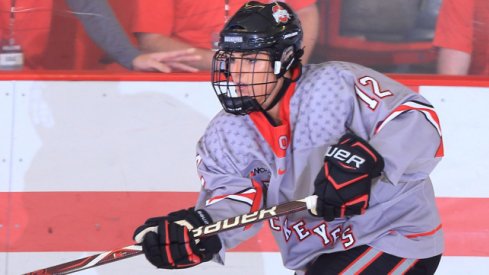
(31,26)
(53,38)
(197,22)
(464,25)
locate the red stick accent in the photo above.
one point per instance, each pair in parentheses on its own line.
(90,261)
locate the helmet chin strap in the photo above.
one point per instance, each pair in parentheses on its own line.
(280,93)
(279,96)
(285,86)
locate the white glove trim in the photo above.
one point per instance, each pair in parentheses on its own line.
(140,236)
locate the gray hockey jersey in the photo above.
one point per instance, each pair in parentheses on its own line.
(245,163)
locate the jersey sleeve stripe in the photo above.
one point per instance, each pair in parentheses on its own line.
(381,125)
(423,234)
(426,110)
(245,196)
(429,113)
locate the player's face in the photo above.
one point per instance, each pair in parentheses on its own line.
(253,76)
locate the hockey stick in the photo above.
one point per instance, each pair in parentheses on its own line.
(203,231)
(90,261)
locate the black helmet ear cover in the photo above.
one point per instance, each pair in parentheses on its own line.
(289,59)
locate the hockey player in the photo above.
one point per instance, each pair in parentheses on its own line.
(362,142)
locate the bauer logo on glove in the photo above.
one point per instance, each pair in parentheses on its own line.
(344,156)
(343,184)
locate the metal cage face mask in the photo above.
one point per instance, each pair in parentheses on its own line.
(243,81)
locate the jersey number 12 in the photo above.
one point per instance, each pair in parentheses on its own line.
(371,102)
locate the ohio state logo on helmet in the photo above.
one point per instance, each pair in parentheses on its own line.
(280,14)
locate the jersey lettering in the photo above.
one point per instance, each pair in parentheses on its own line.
(347,238)
(322,231)
(371,102)
(366,80)
(336,233)
(283,142)
(287,231)
(273,224)
(301,231)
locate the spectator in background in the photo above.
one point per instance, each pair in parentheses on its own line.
(29,22)
(462,35)
(166,25)
(103,28)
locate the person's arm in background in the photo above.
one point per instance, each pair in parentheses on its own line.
(103,28)
(154,26)
(309,17)
(454,36)
(154,42)
(453,62)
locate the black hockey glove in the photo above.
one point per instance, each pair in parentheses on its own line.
(168,241)
(343,184)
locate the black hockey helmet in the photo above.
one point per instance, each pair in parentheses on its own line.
(256,27)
